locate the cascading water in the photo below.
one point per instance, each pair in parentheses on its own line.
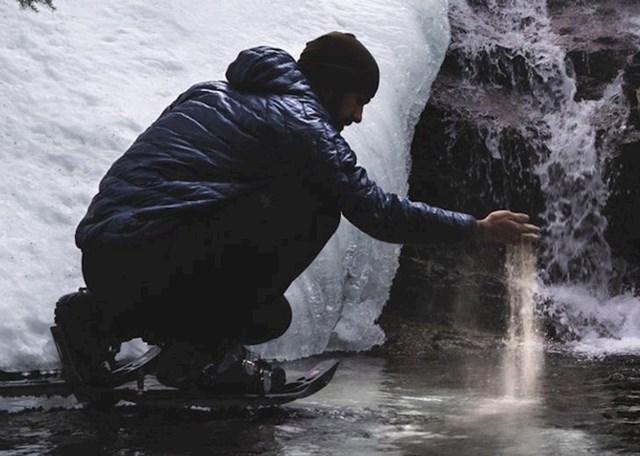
(580,289)
(509,43)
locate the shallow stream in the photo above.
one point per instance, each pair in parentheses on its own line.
(374,406)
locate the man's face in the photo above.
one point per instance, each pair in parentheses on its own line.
(349,109)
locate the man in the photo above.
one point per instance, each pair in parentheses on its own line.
(201,226)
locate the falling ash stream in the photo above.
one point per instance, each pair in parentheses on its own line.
(524,351)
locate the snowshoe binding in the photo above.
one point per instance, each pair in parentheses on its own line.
(233,371)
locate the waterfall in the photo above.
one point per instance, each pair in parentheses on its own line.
(510,44)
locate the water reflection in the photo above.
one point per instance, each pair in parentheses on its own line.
(458,406)
(439,406)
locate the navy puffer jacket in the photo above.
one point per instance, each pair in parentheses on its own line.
(220,140)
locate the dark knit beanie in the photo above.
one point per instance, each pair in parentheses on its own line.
(338,61)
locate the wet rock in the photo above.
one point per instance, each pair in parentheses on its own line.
(457,163)
(599,36)
(616,377)
(409,339)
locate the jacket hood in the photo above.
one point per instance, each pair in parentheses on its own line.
(267,69)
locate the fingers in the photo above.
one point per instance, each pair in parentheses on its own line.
(506,214)
(508,227)
(530,237)
(527,228)
(519,217)
(525,232)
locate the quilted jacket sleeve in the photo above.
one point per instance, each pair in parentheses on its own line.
(331,163)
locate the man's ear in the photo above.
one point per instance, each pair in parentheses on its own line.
(330,96)
(331,100)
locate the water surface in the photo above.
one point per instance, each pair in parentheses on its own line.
(374,406)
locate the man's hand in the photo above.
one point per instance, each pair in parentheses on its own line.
(506,227)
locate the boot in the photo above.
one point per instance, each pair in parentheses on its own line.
(87,356)
(231,370)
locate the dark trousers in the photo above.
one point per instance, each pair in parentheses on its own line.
(214,277)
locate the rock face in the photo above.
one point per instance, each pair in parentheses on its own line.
(602,39)
(483,135)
